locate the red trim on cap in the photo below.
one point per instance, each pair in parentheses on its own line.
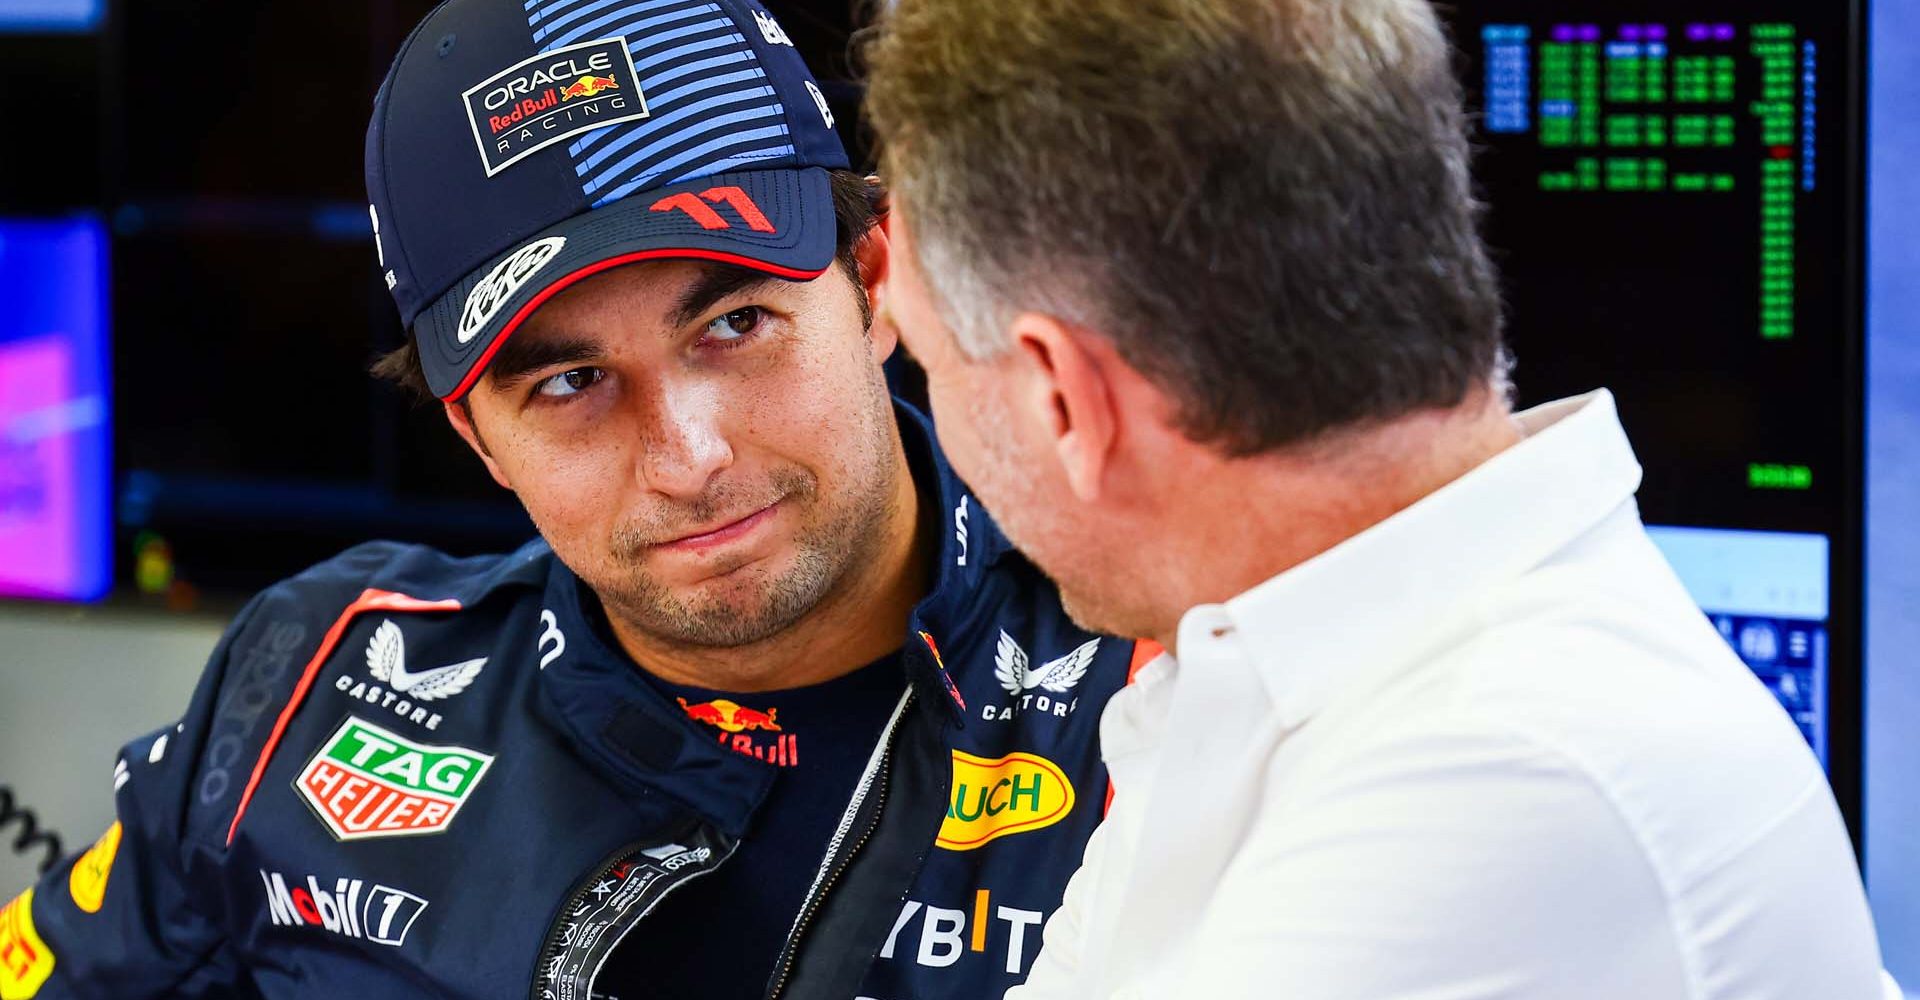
(369,600)
(486,357)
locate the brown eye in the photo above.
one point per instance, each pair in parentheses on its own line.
(735,325)
(569,382)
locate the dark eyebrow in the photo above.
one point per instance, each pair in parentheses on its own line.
(521,356)
(714,283)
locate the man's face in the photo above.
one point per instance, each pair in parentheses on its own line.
(985,414)
(710,449)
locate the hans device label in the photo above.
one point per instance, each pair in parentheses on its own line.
(553,96)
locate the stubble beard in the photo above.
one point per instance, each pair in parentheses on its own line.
(755,603)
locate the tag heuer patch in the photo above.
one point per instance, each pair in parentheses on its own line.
(553,96)
(367,782)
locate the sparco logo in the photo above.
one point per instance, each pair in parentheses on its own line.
(498,286)
(352,908)
(537,102)
(255,684)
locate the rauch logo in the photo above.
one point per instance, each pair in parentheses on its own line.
(998,797)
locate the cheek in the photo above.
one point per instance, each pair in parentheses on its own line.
(571,490)
(957,424)
(803,397)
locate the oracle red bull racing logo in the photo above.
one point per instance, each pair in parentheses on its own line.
(737,722)
(553,96)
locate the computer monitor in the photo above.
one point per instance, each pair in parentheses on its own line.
(42,16)
(54,449)
(1673,198)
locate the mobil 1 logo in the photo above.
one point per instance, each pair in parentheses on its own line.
(348,907)
(553,96)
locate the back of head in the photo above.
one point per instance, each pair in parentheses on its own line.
(1265,204)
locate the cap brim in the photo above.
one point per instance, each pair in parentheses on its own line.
(777,221)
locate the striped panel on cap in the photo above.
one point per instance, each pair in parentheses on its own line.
(711,108)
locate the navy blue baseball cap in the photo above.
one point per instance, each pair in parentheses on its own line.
(519,147)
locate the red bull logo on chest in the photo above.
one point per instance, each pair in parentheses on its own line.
(737,723)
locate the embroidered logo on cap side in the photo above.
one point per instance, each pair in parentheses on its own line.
(553,96)
(498,286)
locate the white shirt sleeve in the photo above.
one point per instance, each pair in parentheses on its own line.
(1473,865)
(1456,865)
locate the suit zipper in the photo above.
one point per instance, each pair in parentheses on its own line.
(835,863)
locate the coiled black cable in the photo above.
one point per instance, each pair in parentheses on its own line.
(30,833)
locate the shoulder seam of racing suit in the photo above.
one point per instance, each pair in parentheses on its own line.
(371,599)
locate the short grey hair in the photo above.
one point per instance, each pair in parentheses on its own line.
(1265,203)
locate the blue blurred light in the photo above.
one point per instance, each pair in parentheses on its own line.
(55,453)
(45,16)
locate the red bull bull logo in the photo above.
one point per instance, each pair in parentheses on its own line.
(737,723)
(588,86)
(732,717)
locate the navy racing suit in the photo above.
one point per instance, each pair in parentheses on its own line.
(405,774)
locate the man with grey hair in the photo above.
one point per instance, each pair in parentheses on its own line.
(1208,324)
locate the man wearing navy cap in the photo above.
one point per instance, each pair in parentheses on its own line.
(771,709)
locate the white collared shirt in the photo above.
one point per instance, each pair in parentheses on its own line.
(1488,748)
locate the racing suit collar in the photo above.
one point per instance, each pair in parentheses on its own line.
(970,544)
(634,733)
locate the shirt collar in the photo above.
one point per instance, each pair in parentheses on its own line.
(1355,614)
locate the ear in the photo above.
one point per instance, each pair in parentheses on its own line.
(461,417)
(873,253)
(1071,393)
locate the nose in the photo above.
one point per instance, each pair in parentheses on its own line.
(684,444)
